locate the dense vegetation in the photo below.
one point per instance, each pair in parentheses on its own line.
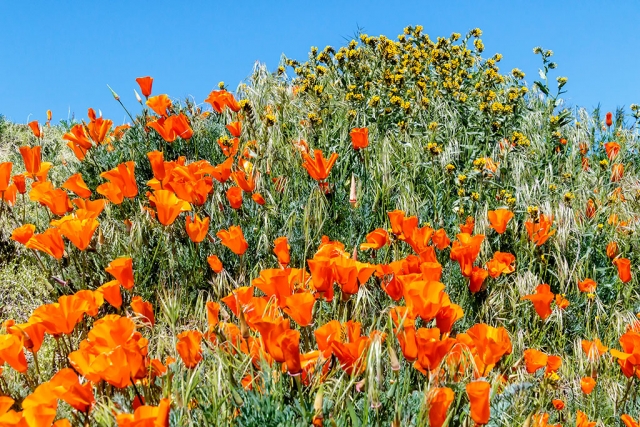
(398,234)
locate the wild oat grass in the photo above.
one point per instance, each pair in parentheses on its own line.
(449,137)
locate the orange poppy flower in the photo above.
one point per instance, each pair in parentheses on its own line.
(35,128)
(118,131)
(61,317)
(228,146)
(235,129)
(99,129)
(159,104)
(583,421)
(78,230)
(440,400)
(350,350)
(122,183)
(49,242)
(587,285)
(215,263)
(233,239)
(169,128)
(144,309)
(488,343)
(299,307)
(558,404)
(612,149)
(147,416)
(587,384)
(624,269)
(234,196)
(281,249)
(79,151)
(501,263)
(20,183)
(465,250)
(110,291)
(68,388)
(609,118)
(499,219)
(5,175)
(590,211)
(468,226)
(541,300)
(440,239)
(11,352)
(478,394)
(612,250)
(359,138)
(539,231)
(375,240)
(77,136)
(56,199)
(244,181)
(32,158)
(95,207)
(122,270)
(220,99)
(168,206)
(593,349)
(24,233)
(188,347)
(318,167)
(403,227)
(477,278)
(629,421)
(145,83)
(257,197)
(535,359)
(31,334)
(76,184)
(561,302)
(432,348)
(156,158)
(617,172)
(9,196)
(197,228)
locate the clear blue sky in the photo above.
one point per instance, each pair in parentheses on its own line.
(61,55)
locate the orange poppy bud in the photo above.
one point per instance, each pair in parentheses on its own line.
(587,384)
(189,349)
(478,393)
(197,228)
(590,211)
(612,250)
(122,270)
(609,119)
(145,83)
(215,263)
(353,196)
(233,239)
(359,138)
(499,219)
(48,116)
(257,197)
(144,309)
(281,249)
(624,269)
(234,196)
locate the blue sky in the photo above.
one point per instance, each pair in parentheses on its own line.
(61,55)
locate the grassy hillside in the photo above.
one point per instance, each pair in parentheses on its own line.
(469,188)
